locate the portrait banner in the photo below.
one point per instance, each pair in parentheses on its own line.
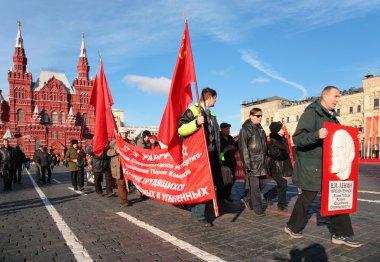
(340,170)
(156,175)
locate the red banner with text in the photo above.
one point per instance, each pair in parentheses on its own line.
(158,176)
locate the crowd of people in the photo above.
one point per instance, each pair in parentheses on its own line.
(262,156)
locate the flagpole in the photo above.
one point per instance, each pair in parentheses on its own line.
(214,200)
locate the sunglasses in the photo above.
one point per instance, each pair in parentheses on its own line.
(258,116)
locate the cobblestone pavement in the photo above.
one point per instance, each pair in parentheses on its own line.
(33,229)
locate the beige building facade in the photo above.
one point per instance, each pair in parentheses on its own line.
(354,107)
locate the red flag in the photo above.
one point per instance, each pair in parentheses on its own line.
(179,98)
(367,130)
(102,100)
(375,129)
(287,136)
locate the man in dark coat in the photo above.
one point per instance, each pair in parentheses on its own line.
(253,153)
(280,165)
(307,174)
(45,161)
(227,152)
(19,160)
(7,164)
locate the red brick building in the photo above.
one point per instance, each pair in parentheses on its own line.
(49,111)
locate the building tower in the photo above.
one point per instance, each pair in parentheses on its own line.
(20,82)
(85,113)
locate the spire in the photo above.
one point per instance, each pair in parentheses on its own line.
(36,111)
(82,48)
(83,67)
(19,57)
(19,37)
(71,118)
(36,117)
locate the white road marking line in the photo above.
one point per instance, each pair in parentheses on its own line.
(77,191)
(57,181)
(371,201)
(369,192)
(172,239)
(72,241)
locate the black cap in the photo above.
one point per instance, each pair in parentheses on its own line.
(223,125)
(74,141)
(275,127)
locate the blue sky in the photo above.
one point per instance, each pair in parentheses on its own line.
(245,49)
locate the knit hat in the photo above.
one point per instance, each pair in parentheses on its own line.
(146,133)
(275,127)
(74,141)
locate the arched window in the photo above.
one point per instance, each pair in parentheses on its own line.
(38,142)
(54,117)
(44,96)
(84,117)
(63,117)
(45,116)
(20,115)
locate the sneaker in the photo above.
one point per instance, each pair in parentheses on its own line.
(126,204)
(246,204)
(259,213)
(282,209)
(204,223)
(348,241)
(110,194)
(292,234)
(269,201)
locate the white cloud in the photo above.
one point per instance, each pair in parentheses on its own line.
(261,80)
(160,85)
(249,58)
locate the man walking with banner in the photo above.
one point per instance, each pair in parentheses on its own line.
(180,97)
(307,174)
(190,122)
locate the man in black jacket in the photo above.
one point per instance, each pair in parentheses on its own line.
(253,153)
(7,164)
(227,151)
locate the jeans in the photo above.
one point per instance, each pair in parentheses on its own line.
(253,196)
(44,169)
(279,190)
(74,177)
(80,178)
(237,190)
(98,178)
(198,211)
(17,175)
(38,171)
(7,179)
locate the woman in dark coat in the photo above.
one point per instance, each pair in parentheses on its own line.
(280,165)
